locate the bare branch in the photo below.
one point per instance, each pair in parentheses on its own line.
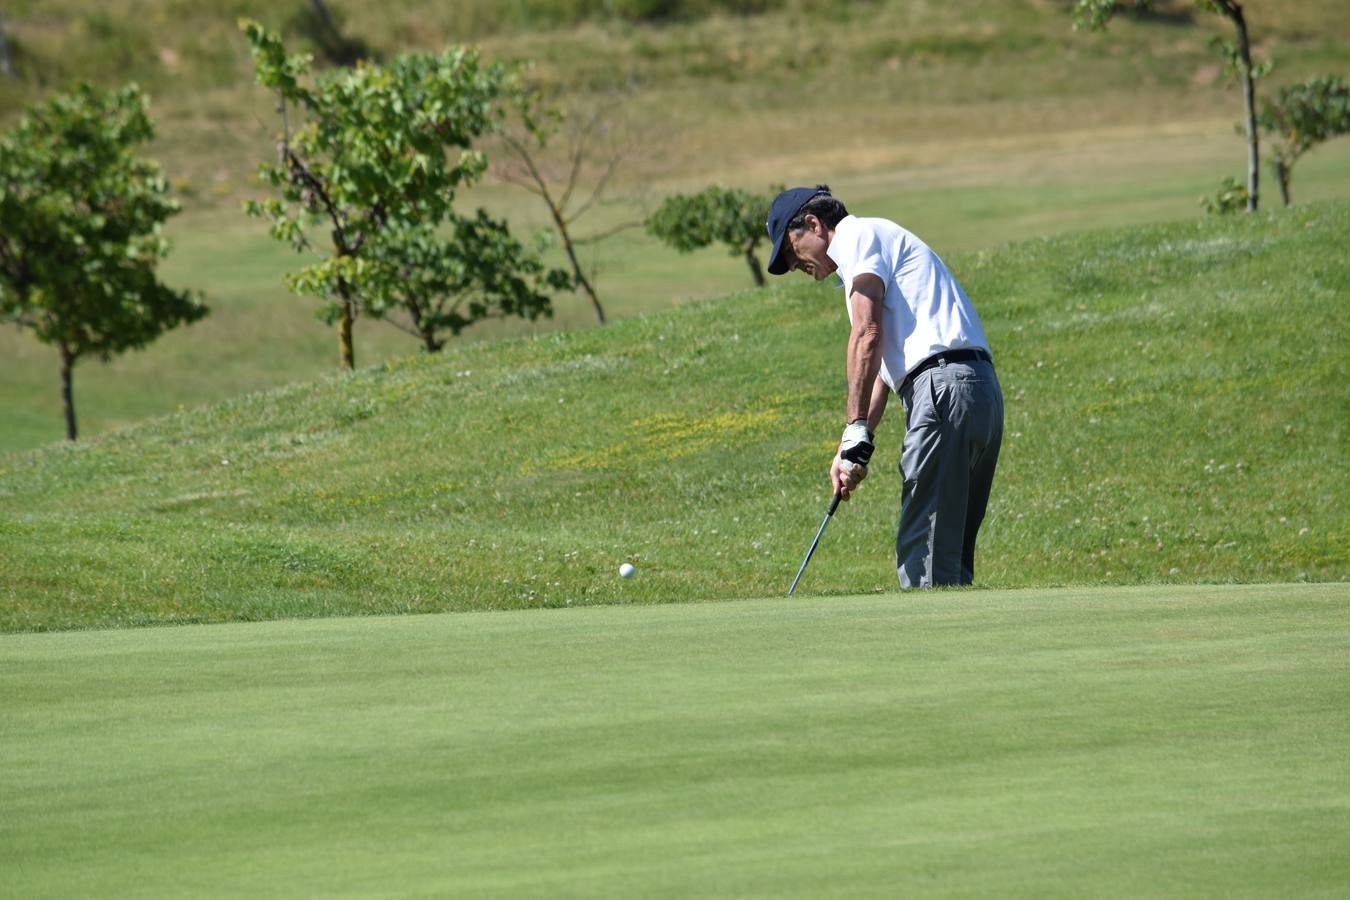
(608,233)
(580,147)
(600,185)
(531,179)
(401,326)
(300,172)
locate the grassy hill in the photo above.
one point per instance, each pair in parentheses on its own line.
(974,123)
(1176,413)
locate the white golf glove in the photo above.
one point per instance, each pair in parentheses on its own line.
(855,451)
(857,444)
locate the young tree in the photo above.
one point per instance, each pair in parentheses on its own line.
(375,159)
(445,285)
(1094,14)
(570,188)
(80,235)
(1301,117)
(716,215)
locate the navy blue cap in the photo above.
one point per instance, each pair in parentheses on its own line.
(785,208)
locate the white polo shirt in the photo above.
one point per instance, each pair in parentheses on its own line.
(925,311)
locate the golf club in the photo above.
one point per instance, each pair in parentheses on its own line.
(834,504)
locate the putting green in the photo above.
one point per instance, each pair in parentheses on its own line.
(1107,742)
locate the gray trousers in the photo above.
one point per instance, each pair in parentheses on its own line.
(953,431)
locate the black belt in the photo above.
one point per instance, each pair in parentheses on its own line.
(969,354)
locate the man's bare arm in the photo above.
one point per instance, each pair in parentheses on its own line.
(877,406)
(866,400)
(864,346)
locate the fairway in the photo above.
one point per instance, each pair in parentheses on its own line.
(1101,742)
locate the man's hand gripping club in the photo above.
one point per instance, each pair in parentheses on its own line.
(850,464)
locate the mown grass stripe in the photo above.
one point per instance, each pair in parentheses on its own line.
(1091,742)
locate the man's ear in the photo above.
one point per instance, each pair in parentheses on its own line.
(814,225)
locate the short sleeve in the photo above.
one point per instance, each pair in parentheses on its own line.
(864,247)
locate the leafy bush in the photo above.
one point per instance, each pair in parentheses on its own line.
(717,215)
(1231,198)
(1302,116)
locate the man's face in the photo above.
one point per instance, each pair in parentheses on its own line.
(807,249)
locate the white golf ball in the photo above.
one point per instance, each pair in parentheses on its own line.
(627,570)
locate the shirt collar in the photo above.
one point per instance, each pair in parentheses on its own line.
(830,250)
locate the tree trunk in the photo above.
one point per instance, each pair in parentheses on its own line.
(1233,10)
(335,45)
(346,349)
(429,340)
(6,58)
(577,273)
(326,20)
(67,390)
(756,270)
(590,291)
(1283,174)
(426,331)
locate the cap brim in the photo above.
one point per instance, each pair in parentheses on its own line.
(778,262)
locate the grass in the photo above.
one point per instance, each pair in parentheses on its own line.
(1177,399)
(259,336)
(1177,741)
(974,125)
(1169,420)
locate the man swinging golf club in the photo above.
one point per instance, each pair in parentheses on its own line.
(914,332)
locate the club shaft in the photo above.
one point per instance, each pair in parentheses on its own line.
(834,504)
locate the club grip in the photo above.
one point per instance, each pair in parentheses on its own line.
(834,504)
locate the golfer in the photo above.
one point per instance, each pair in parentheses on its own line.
(914,332)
